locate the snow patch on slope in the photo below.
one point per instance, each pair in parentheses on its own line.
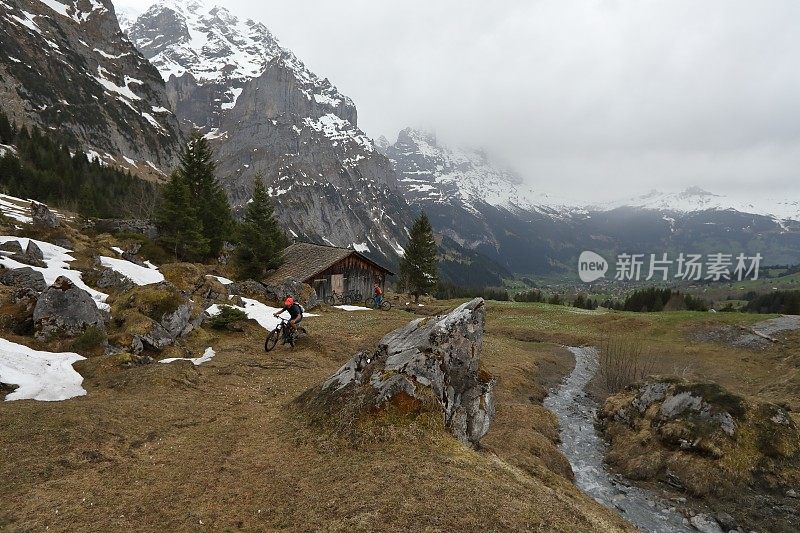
(138,274)
(196,361)
(43,376)
(57,260)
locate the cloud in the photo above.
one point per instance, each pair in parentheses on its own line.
(637,94)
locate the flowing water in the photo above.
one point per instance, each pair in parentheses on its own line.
(585,449)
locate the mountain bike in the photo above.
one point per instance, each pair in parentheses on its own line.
(355,295)
(283,331)
(338,299)
(385,304)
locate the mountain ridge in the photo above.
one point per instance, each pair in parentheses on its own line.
(114,106)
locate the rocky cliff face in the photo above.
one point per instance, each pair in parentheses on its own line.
(430,172)
(270,117)
(66,66)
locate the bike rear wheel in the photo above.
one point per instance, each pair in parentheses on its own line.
(369,302)
(272,339)
(330,300)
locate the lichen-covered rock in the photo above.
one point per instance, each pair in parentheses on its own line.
(428,364)
(23,277)
(249,288)
(13,247)
(303,292)
(111,279)
(713,443)
(42,216)
(150,317)
(64,310)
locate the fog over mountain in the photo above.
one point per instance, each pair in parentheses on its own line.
(631,95)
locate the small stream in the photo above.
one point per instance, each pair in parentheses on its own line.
(585,448)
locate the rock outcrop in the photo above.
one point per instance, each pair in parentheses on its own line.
(131,225)
(741,455)
(23,277)
(150,317)
(64,310)
(31,255)
(429,364)
(43,217)
(303,292)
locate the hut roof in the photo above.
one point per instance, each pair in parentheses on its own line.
(304,260)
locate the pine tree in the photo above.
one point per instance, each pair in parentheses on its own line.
(418,268)
(178,222)
(7,132)
(261,238)
(197,169)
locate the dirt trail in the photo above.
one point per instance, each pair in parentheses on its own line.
(764,332)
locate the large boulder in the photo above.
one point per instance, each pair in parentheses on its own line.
(64,310)
(24,278)
(193,280)
(12,247)
(429,364)
(150,317)
(32,255)
(299,290)
(42,216)
(249,288)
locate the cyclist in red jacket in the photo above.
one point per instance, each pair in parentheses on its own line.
(295,312)
(378,296)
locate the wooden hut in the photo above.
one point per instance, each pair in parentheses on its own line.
(329,269)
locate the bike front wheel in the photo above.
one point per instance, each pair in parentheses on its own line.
(385,305)
(330,300)
(272,339)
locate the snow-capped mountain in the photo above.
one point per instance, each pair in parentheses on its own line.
(430,172)
(482,205)
(66,66)
(204,45)
(695,199)
(126,16)
(269,117)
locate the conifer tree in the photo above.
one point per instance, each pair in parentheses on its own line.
(7,132)
(179,226)
(261,239)
(418,268)
(197,170)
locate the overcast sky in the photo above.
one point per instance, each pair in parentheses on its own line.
(587,99)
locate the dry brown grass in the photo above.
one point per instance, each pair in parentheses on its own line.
(623,362)
(220,448)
